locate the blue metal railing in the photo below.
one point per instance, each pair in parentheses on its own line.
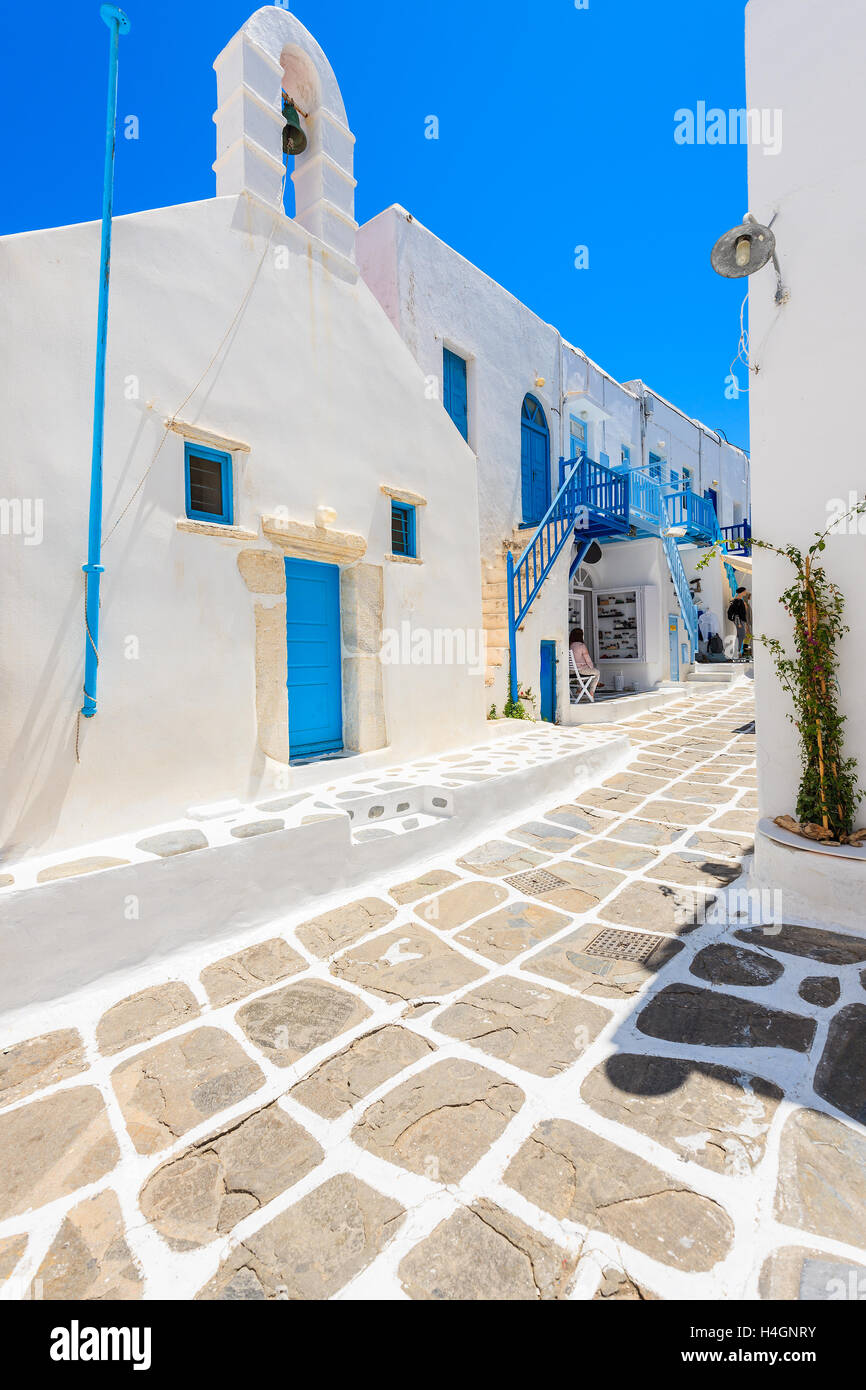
(697,514)
(589,495)
(604,493)
(603,500)
(738,537)
(645,501)
(681,584)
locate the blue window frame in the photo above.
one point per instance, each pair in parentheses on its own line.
(687,479)
(403,530)
(625,456)
(655,467)
(208,475)
(675,480)
(454,393)
(578,436)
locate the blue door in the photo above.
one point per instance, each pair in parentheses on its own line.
(313,651)
(673,638)
(455,396)
(547,681)
(534,462)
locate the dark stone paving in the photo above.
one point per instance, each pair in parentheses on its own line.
(683,1013)
(734,965)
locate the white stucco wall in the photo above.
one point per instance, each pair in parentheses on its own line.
(331,402)
(436,298)
(806,397)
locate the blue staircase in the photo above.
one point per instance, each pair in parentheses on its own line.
(684,594)
(595,501)
(591,499)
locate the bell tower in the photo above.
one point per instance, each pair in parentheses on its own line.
(271,58)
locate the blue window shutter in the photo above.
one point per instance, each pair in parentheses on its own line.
(208,484)
(403,530)
(604,460)
(456,399)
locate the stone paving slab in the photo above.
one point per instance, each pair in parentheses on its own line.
(534,1029)
(293,1021)
(419,887)
(340,1082)
(500,857)
(658,907)
(512,930)
(796,1273)
(578,1176)
(51,1147)
(709,1114)
(214,1184)
(89,1257)
(407,963)
(11,1250)
(313,1249)
(483,1253)
(459,905)
(332,931)
(28,1066)
(686,1014)
(142,1016)
(492,1060)
(175,1086)
(235,976)
(441,1121)
(726,964)
(821,1185)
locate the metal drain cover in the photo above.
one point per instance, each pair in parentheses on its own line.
(614,944)
(537,883)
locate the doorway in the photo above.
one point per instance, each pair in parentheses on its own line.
(547,682)
(534,462)
(314,666)
(674,641)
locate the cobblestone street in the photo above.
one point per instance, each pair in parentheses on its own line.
(567,1063)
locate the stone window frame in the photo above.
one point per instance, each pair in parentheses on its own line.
(405,497)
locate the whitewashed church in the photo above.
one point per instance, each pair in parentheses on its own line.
(280,480)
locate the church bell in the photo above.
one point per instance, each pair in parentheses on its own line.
(294,139)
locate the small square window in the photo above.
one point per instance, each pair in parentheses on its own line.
(625,456)
(403,530)
(208,484)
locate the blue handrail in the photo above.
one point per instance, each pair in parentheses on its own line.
(697,514)
(684,595)
(738,537)
(588,492)
(645,500)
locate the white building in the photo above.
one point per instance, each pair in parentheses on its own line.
(523,398)
(808,360)
(285,499)
(297,510)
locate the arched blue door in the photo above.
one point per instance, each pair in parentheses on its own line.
(534,461)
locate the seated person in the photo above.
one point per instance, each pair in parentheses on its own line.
(582,659)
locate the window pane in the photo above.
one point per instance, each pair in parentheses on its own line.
(399,530)
(205,485)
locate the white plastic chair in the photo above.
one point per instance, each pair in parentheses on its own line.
(584,682)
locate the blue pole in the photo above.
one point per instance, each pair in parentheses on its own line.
(118,24)
(512,632)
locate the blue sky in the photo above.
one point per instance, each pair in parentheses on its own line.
(555,131)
